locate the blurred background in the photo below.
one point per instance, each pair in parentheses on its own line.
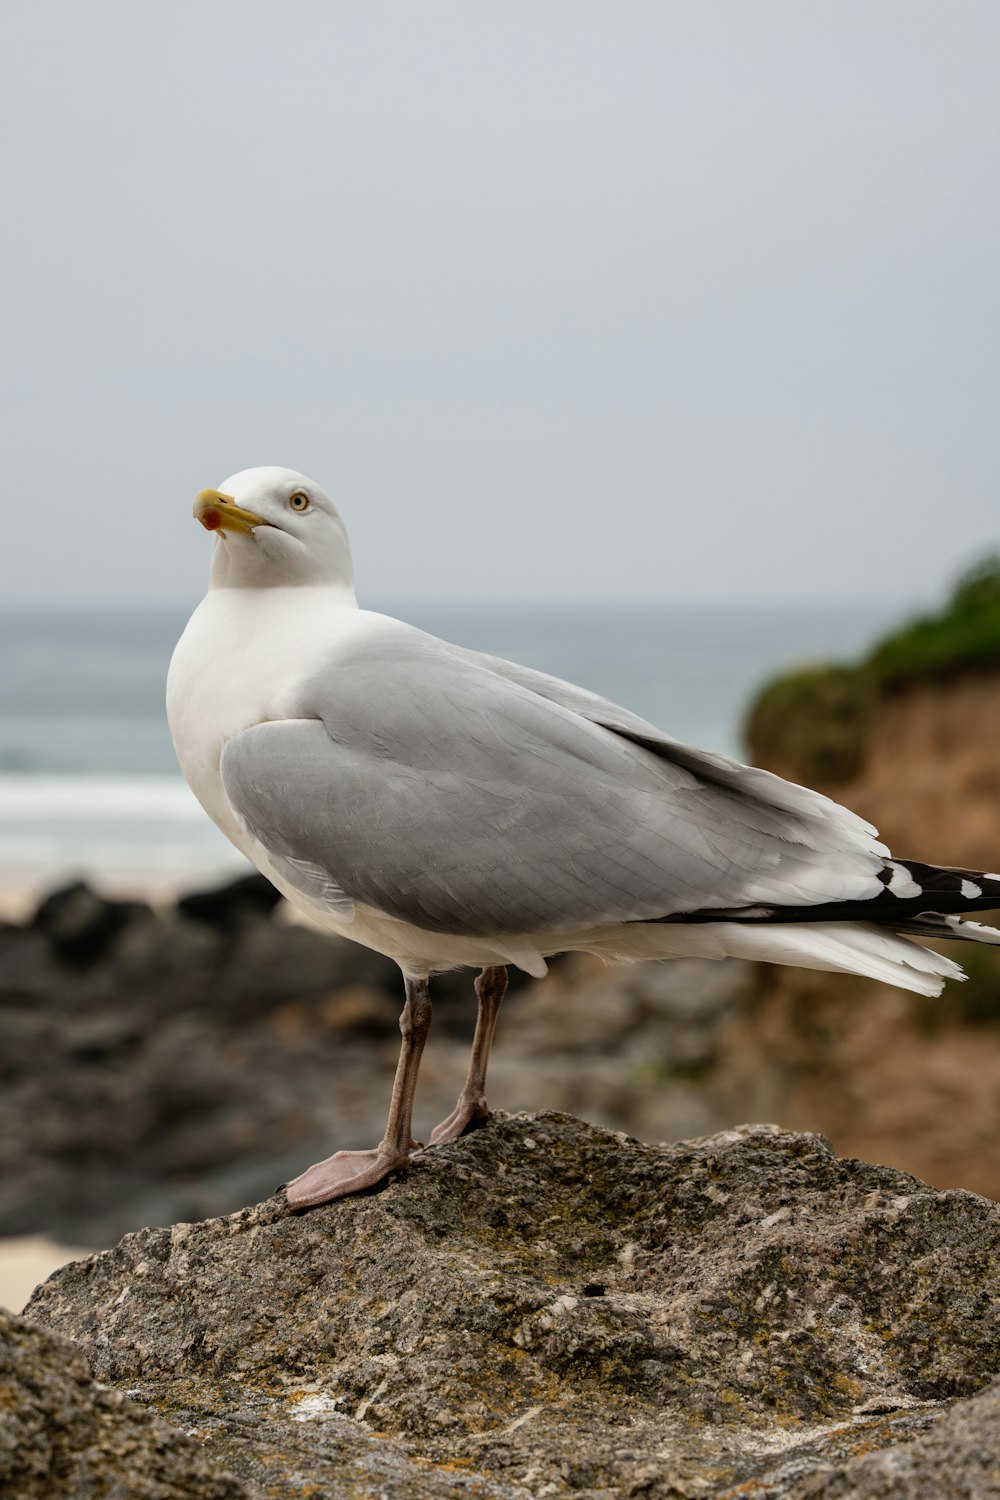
(653,344)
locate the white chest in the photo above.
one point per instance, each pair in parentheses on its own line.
(239,663)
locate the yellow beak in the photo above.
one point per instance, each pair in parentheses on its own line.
(218,512)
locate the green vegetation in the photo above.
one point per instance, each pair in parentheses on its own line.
(966,634)
(815,719)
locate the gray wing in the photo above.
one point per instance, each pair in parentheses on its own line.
(708,765)
(425,782)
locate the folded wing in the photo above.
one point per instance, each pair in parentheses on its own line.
(468,796)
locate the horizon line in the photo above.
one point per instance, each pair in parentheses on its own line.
(9,607)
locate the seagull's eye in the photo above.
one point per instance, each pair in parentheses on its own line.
(299,500)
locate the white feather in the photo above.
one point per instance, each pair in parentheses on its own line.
(843,947)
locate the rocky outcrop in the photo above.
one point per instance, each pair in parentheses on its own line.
(544,1309)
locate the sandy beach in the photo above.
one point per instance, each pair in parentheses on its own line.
(20,897)
(27,1261)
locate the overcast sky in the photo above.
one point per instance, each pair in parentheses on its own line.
(640,300)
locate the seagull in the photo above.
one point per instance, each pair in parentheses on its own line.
(450,809)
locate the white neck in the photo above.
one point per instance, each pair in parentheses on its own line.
(332,593)
(269,560)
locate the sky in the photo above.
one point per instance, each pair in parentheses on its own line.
(642,301)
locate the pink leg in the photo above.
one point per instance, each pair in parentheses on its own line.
(350,1171)
(491,986)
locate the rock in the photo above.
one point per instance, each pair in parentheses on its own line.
(80,925)
(632,1047)
(959,1457)
(63,1435)
(544,1308)
(227,905)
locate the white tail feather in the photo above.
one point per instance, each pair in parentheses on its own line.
(843,947)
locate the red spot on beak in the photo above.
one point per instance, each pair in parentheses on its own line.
(210,518)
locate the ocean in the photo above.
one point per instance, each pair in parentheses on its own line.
(88,782)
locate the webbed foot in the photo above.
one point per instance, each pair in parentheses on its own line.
(342,1173)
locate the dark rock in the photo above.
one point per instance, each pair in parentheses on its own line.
(634,1048)
(553,1309)
(226,905)
(64,1437)
(80,925)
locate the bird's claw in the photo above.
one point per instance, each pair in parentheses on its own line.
(468,1112)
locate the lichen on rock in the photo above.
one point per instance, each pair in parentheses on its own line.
(957,1459)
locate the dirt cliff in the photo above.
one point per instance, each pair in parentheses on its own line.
(908,739)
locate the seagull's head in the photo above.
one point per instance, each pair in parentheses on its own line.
(274,527)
